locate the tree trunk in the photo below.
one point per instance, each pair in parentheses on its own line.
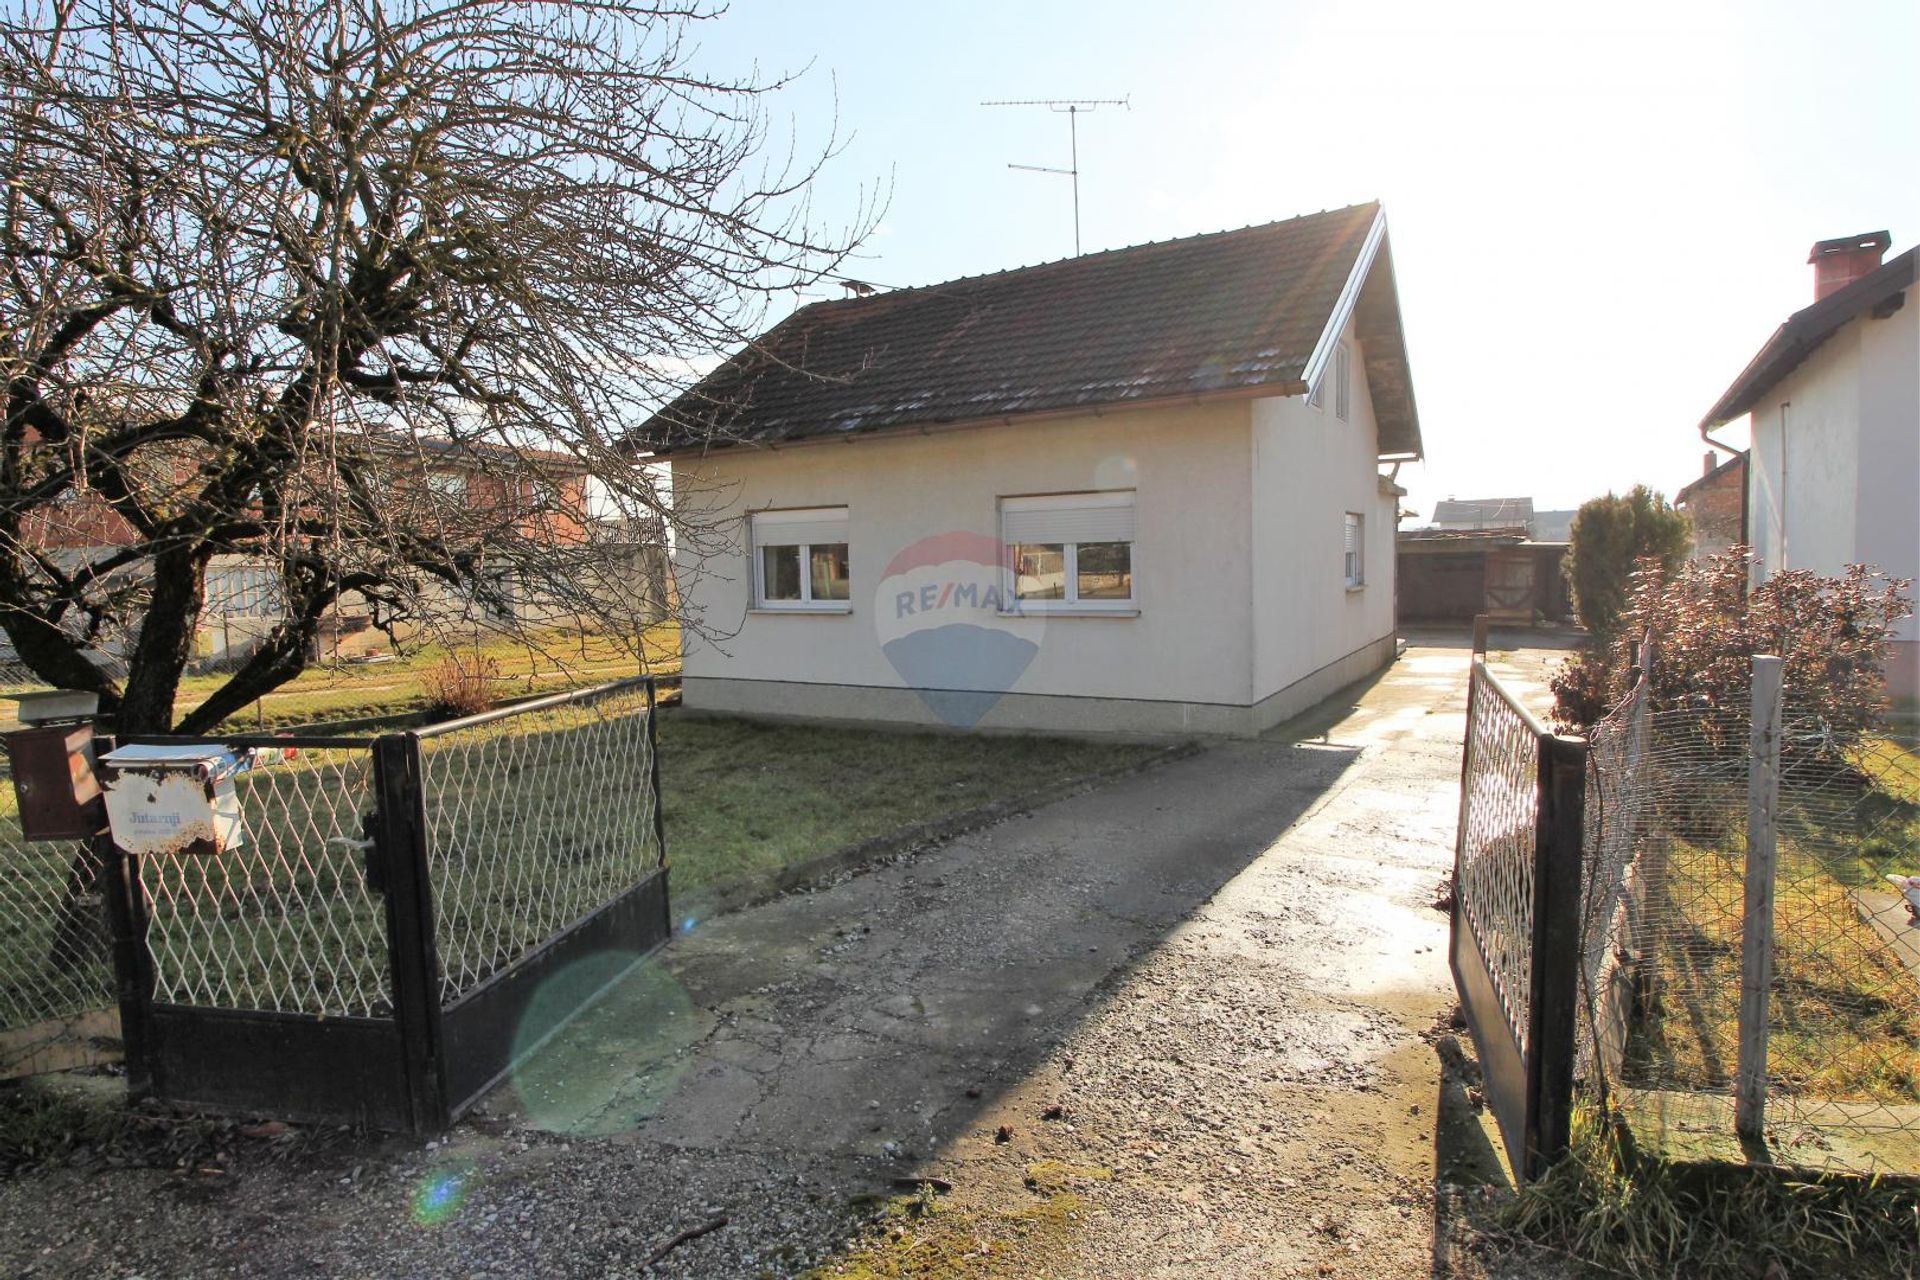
(166,641)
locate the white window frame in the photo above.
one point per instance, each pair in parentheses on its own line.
(1342,381)
(1354,571)
(451,485)
(1070,552)
(832,520)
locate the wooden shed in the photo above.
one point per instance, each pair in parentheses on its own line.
(1450,575)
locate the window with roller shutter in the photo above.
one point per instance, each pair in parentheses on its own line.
(800,560)
(1070,552)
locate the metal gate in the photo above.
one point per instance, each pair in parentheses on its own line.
(371,952)
(1515,949)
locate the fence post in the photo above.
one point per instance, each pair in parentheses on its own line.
(412,954)
(1756,930)
(1554,986)
(1482,625)
(126,902)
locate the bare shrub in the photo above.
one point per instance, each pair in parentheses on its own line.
(460,686)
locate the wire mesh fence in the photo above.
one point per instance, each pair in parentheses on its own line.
(55,962)
(534,820)
(287,921)
(1499,827)
(1665,932)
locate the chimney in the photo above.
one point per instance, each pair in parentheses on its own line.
(1712,462)
(1838,263)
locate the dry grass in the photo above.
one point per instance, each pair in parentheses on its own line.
(1846,1013)
(1622,1214)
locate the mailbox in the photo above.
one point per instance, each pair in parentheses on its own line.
(172,799)
(53,767)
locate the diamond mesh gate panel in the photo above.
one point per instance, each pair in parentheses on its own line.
(286,921)
(535,820)
(1499,829)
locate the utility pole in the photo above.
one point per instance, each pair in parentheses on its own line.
(1072,108)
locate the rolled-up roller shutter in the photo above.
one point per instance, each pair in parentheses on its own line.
(1068,517)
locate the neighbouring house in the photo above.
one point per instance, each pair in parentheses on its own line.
(1716,505)
(1482,513)
(243,601)
(1135,491)
(1454,575)
(1833,405)
(1497,514)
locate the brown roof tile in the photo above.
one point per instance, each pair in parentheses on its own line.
(1233,311)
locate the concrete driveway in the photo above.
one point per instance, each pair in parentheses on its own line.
(1215,978)
(1179,1025)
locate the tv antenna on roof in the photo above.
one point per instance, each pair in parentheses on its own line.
(1071,108)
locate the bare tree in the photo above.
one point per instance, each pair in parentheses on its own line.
(272,267)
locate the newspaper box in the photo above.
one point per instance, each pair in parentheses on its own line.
(173,799)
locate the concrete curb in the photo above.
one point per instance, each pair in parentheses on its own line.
(751,891)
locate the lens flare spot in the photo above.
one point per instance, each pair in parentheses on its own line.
(1116,471)
(686,926)
(440,1194)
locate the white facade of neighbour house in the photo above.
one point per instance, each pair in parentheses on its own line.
(1240,615)
(1171,518)
(1834,476)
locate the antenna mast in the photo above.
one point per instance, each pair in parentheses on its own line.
(1072,109)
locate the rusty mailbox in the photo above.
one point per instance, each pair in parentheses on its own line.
(172,798)
(52,763)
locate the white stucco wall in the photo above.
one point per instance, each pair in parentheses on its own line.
(1887,513)
(1309,469)
(1842,489)
(1190,641)
(1813,506)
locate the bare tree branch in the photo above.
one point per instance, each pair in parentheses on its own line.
(270,269)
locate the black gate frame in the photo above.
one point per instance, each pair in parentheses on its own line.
(1529,1088)
(418,1070)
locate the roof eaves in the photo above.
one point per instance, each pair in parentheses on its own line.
(1349,297)
(1805,331)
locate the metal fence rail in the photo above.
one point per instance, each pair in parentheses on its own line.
(536,817)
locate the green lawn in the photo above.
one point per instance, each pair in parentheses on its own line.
(745,799)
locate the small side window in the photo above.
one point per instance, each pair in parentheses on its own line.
(1354,560)
(800,560)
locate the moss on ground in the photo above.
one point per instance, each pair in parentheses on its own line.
(919,1237)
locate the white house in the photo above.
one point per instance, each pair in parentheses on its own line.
(1833,400)
(1135,491)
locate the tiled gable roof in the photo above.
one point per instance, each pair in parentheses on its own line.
(1230,312)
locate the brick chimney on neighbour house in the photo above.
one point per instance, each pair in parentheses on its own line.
(1838,263)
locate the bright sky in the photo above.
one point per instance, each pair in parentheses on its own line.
(1599,212)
